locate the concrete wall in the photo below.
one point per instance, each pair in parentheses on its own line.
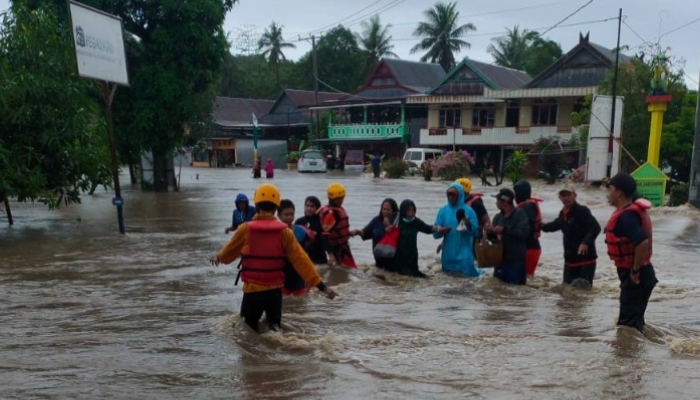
(275,149)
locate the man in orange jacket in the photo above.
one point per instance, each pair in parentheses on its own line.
(264,245)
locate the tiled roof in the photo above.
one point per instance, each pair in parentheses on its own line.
(505,78)
(237,110)
(417,76)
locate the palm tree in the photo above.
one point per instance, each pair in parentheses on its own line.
(441,35)
(511,49)
(272,43)
(375,41)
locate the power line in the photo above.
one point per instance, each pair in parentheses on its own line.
(386,8)
(344,19)
(568,16)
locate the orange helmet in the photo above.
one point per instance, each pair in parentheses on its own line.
(335,191)
(466,184)
(267,193)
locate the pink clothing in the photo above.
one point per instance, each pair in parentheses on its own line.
(269,168)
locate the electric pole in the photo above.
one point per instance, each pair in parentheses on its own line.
(611,139)
(315,72)
(694,190)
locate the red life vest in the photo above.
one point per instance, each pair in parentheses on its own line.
(620,249)
(473,197)
(340,233)
(264,259)
(538,218)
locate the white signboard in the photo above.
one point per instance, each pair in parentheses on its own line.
(599,136)
(99,44)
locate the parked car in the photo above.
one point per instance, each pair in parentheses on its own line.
(354,161)
(311,160)
(417,155)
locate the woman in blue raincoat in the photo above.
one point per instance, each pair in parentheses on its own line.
(458,243)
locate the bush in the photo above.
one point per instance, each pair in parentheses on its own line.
(515,165)
(679,195)
(454,164)
(395,168)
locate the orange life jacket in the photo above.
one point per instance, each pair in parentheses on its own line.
(538,219)
(264,259)
(620,249)
(473,197)
(339,233)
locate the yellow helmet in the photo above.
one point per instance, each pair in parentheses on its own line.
(336,191)
(466,184)
(267,193)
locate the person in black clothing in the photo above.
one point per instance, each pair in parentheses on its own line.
(529,204)
(510,227)
(628,236)
(376,228)
(580,230)
(312,221)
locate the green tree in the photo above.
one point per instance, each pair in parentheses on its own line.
(524,50)
(375,41)
(677,139)
(272,44)
(53,143)
(340,62)
(441,35)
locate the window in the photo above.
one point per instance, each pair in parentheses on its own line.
(429,155)
(312,155)
(451,118)
(483,115)
(544,113)
(416,156)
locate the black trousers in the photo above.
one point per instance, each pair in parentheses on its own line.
(586,272)
(293,282)
(634,297)
(255,303)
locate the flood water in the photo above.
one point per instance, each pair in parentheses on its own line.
(88,314)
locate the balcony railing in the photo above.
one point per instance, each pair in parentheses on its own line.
(368,131)
(494,136)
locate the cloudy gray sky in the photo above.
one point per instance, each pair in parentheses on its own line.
(674,24)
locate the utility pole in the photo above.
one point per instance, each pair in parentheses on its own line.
(315,72)
(694,184)
(611,138)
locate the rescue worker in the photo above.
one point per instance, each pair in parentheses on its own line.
(628,236)
(243,212)
(529,204)
(580,230)
(264,245)
(336,227)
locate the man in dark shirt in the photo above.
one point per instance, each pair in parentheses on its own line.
(510,227)
(529,204)
(580,230)
(628,236)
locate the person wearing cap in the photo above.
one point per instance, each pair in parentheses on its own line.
(457,246)
(243,212)
(335,225)
(580,230)
(628,236)
(510,227)
(265,245)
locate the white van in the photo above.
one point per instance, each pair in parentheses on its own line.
(417,155)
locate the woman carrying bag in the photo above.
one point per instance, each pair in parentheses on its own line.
(378,227)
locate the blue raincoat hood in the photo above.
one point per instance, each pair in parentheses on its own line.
(242,197)
(460,196)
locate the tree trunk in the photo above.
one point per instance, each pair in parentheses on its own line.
(93,187)
(277,74)
(132,176)
(7,209)
(160,168)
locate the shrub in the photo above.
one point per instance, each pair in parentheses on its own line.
(454,164)
(679,195)
(515,165)
(395,168)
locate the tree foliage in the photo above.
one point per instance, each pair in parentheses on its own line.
(272,45)
(441,35)
(340,62)
(375,41)
(524,50)
(53,143)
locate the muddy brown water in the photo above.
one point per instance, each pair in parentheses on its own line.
(86,314)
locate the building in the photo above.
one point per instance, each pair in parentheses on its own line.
(376,117)
(489,109)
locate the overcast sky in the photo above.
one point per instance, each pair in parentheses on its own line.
(675,23)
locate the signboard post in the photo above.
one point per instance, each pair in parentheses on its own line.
(599,133)
(651,183)
(255,138)
(99,51)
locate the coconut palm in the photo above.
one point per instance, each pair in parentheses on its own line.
(511,49)
(272,44)
(375,41)
(441,35)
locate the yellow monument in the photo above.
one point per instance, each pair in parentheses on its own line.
(657,101)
